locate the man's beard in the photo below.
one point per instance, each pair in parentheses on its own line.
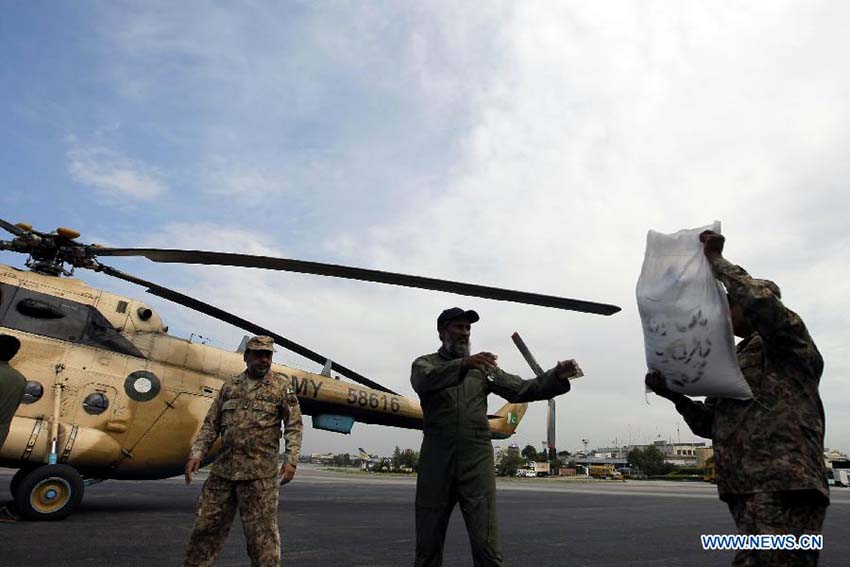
(458,348)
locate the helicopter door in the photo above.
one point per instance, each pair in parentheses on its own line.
(90,420)
(93,404)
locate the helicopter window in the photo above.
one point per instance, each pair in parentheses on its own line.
(32,392)
(96,403)
(44,314)
(101,333)
(62,319)
(38,309)
(122,307)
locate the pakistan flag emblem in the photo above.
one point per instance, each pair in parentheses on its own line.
(512,419)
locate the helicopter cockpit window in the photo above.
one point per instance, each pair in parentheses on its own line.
(101,333)
(32,392)
(96,403)
(44,314)
(62,319)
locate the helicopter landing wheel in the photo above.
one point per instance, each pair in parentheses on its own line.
(16,480)
(49,492)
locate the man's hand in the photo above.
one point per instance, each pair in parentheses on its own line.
(567,369)
(484,362)
(656,382)
(287,473)
(192,466)
(712,244)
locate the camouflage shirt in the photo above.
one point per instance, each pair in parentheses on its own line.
(248,421)
(454,399)
(774,441)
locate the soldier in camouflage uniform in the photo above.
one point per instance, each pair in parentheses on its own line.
(456,459)
(247,414)
(768,451)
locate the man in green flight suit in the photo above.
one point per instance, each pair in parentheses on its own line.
(456,459)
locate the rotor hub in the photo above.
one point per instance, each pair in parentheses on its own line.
(49,252)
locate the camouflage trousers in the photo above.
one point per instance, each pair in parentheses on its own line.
(257,503)
(794,512)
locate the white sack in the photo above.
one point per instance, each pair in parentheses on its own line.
(687,330)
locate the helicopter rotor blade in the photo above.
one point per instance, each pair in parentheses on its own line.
(362,274)
(9,227)
(241,323)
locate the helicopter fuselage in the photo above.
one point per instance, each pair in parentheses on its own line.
(131,396)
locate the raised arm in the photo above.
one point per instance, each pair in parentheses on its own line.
(551,383)
(428,375)
(432,373)
(698,415)
(758,299)
(781,330)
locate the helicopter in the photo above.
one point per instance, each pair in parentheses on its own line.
(111,395)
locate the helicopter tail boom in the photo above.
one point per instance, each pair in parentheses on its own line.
(504,422)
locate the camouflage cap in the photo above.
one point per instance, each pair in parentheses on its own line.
(260,342)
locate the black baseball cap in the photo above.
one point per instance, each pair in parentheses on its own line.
(456,313)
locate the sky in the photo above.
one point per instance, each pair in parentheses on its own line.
(526,145)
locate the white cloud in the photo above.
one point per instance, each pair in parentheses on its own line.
(337,111)
(603,125)
(528,145)
(113,174)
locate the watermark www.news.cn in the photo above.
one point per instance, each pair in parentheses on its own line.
(761,542)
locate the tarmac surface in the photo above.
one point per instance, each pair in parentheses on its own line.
(360,519)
